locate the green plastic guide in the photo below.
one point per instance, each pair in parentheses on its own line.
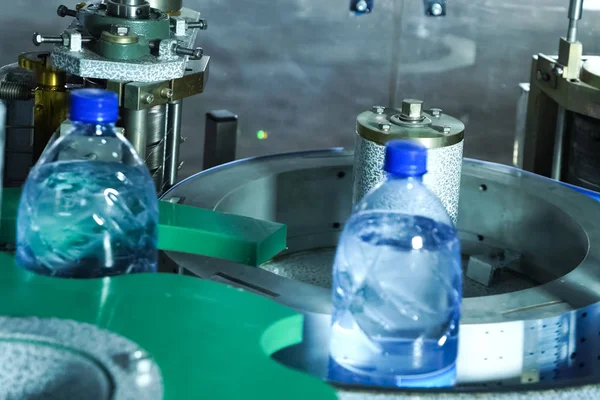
(211,341)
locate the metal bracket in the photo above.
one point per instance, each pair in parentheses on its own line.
(220,139)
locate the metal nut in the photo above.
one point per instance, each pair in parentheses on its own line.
(378,109)
(412,109)
(119,30)
(385,127)
(447,129)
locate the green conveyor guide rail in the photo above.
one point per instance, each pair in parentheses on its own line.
(211,341)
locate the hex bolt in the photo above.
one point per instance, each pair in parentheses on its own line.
(184,51)
(119,30)
(436,112)
(147,98)
(64,11)
(167,93)
(39,39)
(446,129)
(385,127)
(202,25)
(378,109)
(412,109)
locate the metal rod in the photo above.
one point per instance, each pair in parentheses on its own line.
(173,142)
(575,11)
(136,126)
(559,136)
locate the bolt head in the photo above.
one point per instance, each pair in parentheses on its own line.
(446,129)
(378,109)
(198,52)
(148,98)
(412,109)
(559,71)
(385,127)
(167,93)
(436,9)
(361,5)
(119,30)
(436,112)
(38,39)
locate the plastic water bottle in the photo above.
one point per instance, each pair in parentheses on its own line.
(397,283)
(89,208)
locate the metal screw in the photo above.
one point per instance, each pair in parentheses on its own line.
(147,98)
(38,39)
(167,93)
(202,25)
(378,109)
(436,112)
(385,127)
(411,109)
(361,5)
(119,30)
(446,129)
(558,71)
(184,51)
(436,9)
(64,11)
(183,139)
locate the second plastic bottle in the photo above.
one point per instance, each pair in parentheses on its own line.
(397,283)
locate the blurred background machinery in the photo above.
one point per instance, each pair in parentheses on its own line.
(293,74)
(560,135)
(144,51)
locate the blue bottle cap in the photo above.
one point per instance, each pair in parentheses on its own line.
(405,158)
(94,105)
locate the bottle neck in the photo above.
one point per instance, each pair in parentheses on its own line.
(410,178)
(93,129)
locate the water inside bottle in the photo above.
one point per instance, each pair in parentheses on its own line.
(88,219)
(396,296)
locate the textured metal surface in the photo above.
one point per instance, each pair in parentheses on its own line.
(511,337)
(62,359)
(443,176)
(146,69)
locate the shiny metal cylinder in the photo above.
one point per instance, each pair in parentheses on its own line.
(131,9)
(168,6)
(559,134)
(173,142)
(442,134)
(155,143)
(135,123)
